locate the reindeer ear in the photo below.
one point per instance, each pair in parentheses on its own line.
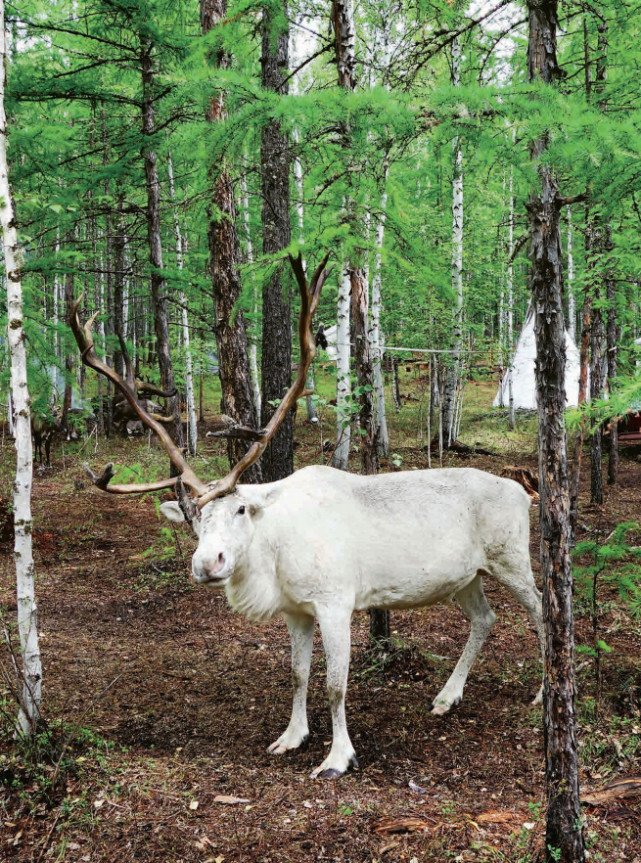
(172,511)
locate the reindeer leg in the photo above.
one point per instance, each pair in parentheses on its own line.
(335,629)
(301,633)
(517,577)
(473,602)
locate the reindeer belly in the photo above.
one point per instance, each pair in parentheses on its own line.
(421,566)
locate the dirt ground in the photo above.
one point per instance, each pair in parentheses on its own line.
(161,704)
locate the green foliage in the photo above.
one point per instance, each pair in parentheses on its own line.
(74,101)
(614,563)
(38,768)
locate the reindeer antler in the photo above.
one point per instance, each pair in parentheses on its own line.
(309,297)
(84,339)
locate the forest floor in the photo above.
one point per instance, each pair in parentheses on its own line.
(161,702)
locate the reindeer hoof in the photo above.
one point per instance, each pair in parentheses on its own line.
(440,708)
(331,774)
(283,745)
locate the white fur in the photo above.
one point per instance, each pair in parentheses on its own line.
(323,543)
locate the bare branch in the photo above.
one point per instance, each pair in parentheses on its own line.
(84,339)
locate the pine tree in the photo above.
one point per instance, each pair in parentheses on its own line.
(564,834)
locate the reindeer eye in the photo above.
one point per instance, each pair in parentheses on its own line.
(241,510)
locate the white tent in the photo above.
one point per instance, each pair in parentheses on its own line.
(523,379)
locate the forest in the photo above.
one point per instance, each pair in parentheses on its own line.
(322,284)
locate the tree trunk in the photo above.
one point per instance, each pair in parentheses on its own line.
(312,415)
(59,383)
(453,369)
(278,458)
(510,301)
(192,424)
(375,334)
(611,326)
(342,14)
(69,298)
(154,237)
(201,393)
(597,356)
(584,361)
(364,373)
(570,285)
(30,685)
(106,327)
(97,302)
(345,42)
(594,232)
(612,334)
(396,386)
(340,457)
(118,247)
(564,835)
(229,327)
(252,348)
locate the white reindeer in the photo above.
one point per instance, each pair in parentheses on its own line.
(323,543)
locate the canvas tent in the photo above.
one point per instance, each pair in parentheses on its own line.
(523,378)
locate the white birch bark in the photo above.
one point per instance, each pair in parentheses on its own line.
(31,683)
(126,289)
(510,302)
(375,331)
(252,346)
(58,383)
(192,423)
(571,299)
(345,36)
(340,458)
(502,327)
(451,378)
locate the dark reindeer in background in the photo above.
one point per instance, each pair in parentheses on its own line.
(43,427)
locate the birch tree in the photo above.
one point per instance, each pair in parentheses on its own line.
(570,286)
(510,299)
(345,39)
(31,670)
(252,350)
(375,332)
(612,333)
(192,423)
(453,369)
